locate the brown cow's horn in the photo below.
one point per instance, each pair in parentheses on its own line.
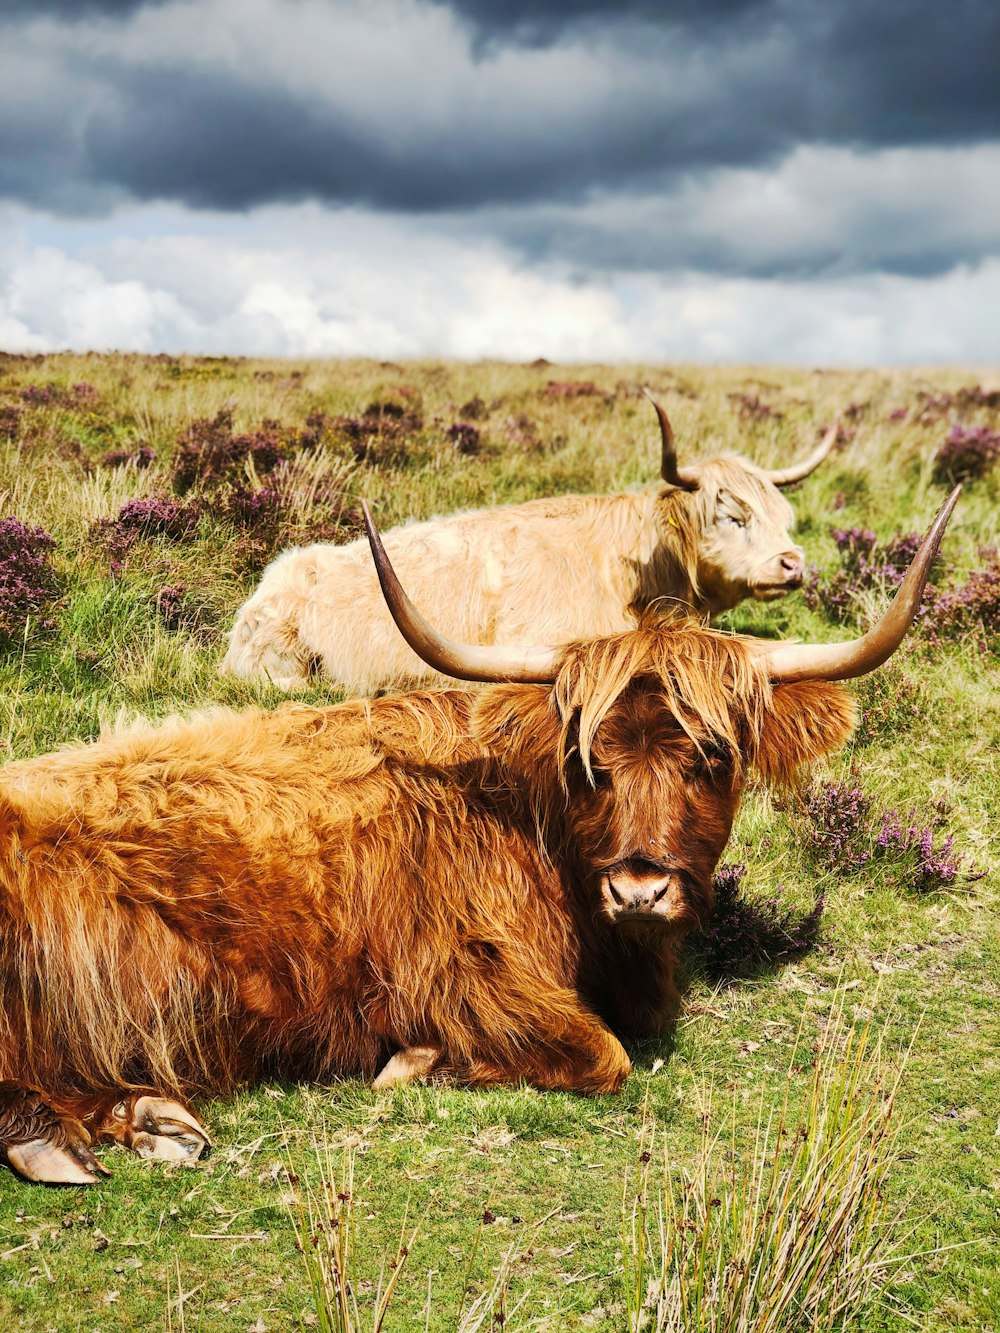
(669,470)
(841,661)
(465,661)
(785,476)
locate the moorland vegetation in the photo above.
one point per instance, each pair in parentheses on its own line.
(835,1067)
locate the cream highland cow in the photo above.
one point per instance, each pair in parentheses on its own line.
(552,570)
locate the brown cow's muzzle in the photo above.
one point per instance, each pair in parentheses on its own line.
(637,891)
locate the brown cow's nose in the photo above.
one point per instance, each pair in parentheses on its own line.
(792,566)
(630,893)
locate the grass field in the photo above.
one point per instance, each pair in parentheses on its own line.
(562,1195)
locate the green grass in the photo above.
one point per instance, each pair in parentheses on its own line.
(214,1248)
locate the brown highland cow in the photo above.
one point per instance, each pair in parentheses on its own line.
(483,886)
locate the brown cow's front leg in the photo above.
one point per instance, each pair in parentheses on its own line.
(42,1144)
(147,1124)
(568,1049)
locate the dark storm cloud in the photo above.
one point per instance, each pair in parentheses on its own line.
(530,23)
(878,72)
(533,109)
(72,9)
(223,143)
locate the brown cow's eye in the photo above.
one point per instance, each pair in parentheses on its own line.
(714,761)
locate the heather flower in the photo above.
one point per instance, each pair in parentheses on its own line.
(170,606)
(844,835)
(84,393)
(742,936)
(382,434)
(42,395)
(465,437)
(752,408)
(975,396)
(966,455)
(474,409)
(837,824)
(138,458)
(972,609)
(139,520)
(899,414)
(867,565)
(377,410)
(10,420)
(933,406)
(249,508)
(210,455)
(908,847)
(571,389)
(317,429)
(28,584)
(522,431)
(892,704)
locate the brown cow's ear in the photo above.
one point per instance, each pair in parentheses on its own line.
(517,721)
(806,720)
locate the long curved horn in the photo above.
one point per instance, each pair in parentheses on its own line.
(669,470)
(841,661)
(785,476)
(535,666)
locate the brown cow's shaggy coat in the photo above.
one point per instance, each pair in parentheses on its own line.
(307,892)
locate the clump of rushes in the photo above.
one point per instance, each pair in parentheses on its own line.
(28,584)
(914,851)
(346,1300)
(742,936)
(139,520)
(966,455)
(796,1233)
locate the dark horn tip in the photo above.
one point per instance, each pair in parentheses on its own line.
(944,514)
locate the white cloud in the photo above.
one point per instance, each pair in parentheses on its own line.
(304,281)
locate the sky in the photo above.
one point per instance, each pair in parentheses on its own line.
(811,182)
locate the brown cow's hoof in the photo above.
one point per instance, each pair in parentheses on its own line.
(155,1127)
(43,1161)
(42,1145)
(407,1066)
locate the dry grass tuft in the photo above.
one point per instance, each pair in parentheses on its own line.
(797,1233)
